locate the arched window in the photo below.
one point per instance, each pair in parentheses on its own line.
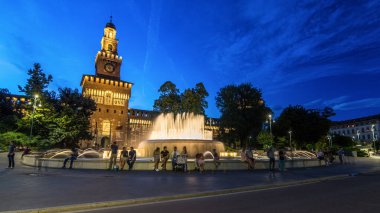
(110,47)
(108,98)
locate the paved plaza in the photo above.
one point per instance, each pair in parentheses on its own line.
(28,188)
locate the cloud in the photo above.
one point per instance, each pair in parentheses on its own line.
(298,41)
(152,35)
(358,104)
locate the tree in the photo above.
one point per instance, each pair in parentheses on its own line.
(265,139)
(169,99)
(243,111)
(194,100)
(37,82)
(307,125)
(10,111)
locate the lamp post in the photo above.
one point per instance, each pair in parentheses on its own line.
(330,140)
(373,138)
(358,134)
(249,140)
(270,123)
(35,99)
(290,139)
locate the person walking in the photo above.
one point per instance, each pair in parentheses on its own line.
(281,162)
(113,154)
(164,158)
(11,155)
(184,157)
(131,158)
(270,154)
(341,155)
(72,158)
(123,158)
(174,156)
(156,158)
(320,157)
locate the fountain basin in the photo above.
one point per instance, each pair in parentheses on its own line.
(193,146)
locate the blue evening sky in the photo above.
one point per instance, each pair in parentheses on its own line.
(313,53)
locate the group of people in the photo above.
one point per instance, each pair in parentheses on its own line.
(247,156)
(328,156)
(179,159)
(126,156)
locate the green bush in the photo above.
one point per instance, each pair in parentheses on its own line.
(17,137)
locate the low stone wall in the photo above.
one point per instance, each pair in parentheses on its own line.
(225,164)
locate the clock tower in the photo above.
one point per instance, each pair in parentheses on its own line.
(107,61)
(111,94)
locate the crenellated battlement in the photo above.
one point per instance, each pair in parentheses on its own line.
(108,56)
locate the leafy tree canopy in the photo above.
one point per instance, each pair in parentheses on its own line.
(307,125)
(243,111)
(192,100)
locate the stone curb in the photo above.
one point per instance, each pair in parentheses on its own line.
(119,203)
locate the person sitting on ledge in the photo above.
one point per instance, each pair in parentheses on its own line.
(26,151)
(74,155)
(216,158)
(201,162)
(164,158)
(174,157)
(131,158)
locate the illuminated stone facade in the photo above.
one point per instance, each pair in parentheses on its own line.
(109,121)
(113,120)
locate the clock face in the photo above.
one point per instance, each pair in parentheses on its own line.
(109,67)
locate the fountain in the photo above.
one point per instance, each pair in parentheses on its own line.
(180,130)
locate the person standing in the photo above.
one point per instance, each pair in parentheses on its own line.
(72,158)
(174,156)
(156,158)
(113,157)
(184,157)
(123,158)
(270,154)
(164,158)
(281,162)
(341,155)
(11,155)
(131,158)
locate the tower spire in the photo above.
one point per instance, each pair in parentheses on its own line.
(111,19)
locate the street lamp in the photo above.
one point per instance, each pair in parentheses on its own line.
(249,140)
(35,99)
(330,140)
(358,134)
(373,138)
(270,123)
(290,139)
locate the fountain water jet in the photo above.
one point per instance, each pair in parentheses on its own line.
(180,130)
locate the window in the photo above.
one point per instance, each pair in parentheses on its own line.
(114,111)
(107,110)
(121,111)
(109,47)
(100,110)
(108,98)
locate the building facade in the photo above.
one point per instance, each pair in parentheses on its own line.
(364,129)
(109,121)
(113,120)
